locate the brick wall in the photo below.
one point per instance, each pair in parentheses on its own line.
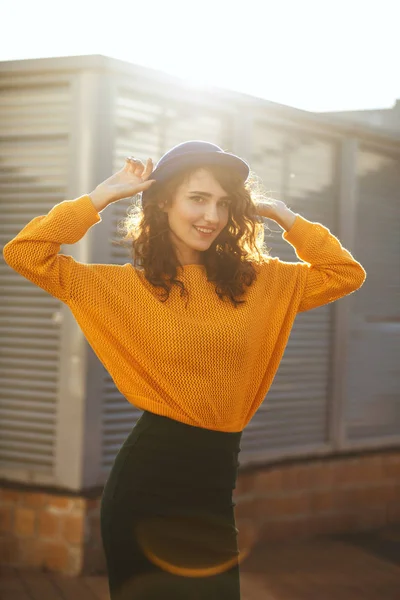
(315,497)
(48,531)
(61,533)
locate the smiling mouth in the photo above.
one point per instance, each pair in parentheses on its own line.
(204,231)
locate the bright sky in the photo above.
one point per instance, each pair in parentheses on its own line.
(312,54)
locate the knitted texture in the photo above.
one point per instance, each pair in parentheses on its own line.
(210,364)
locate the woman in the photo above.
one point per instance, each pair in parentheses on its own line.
(192,333)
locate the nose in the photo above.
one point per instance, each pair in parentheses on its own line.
(211,215)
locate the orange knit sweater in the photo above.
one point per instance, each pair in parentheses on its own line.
(209,365)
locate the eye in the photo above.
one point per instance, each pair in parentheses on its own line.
(223,203)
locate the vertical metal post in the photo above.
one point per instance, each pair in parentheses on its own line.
(341,315)
(102,157)
(242,135)
(79,427)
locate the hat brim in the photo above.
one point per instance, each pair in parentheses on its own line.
(173,166)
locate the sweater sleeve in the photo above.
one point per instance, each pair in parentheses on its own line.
(329,270)
(34,251)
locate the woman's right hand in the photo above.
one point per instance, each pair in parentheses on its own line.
(129,181)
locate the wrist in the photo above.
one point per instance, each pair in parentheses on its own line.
(100,198)
(285,218)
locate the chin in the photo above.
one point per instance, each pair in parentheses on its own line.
(200,247)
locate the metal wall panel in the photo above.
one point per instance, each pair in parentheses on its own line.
(34,130)
(64,125)
(300,169)
(372,407)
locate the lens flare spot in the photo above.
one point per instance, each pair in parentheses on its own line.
(191,546)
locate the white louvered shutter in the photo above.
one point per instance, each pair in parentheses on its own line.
(298,168)
(34,131)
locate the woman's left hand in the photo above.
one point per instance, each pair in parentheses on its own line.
(277,211)
(270,208)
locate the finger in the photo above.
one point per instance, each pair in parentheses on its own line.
(130,164)
(137,169)
(148,169)
(132,160)
(135,162)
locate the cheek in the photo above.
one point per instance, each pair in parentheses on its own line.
(225,219)
(182,218)
(189,215)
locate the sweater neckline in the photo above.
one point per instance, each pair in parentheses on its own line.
(194,265)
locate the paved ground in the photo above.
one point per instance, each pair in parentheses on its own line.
(358,567)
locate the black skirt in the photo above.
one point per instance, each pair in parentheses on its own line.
(167,515)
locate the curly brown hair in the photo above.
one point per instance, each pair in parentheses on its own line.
(230,260)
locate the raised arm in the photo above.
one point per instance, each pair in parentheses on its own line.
(34,251)
(329,271)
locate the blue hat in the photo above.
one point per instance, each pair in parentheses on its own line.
(195,153)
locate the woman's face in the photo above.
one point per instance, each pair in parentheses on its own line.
(199,202)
